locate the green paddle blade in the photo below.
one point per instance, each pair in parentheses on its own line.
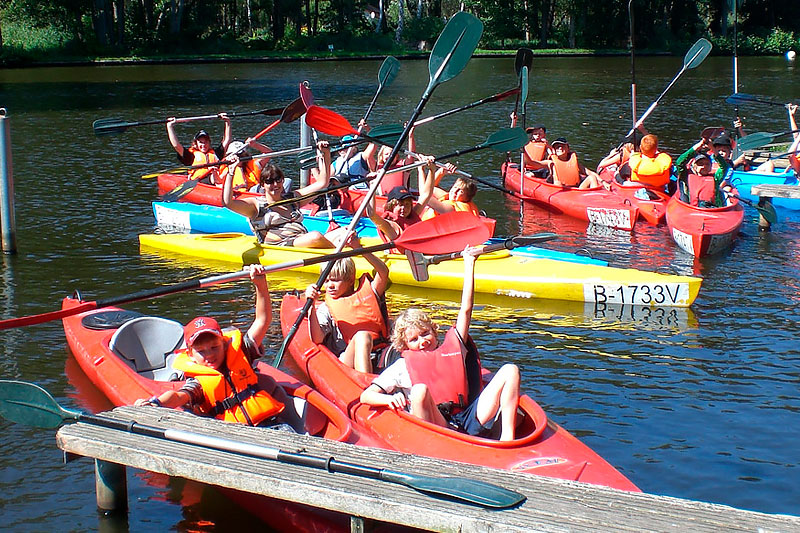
(388,71)
(454,47)
(697,53)
(507,139)
(755,140)
(462,489)
(523,84)
(524,58)
(110,126)
(29,404)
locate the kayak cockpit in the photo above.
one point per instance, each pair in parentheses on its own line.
(147,344)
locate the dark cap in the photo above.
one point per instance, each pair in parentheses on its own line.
(201,133)
(560,140)
(199,326)
(530,129)
(399,193)
(722,140)
(700,157)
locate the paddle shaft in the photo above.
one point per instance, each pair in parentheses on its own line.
(494,98)
(389,69)
(111,125)
(508,244)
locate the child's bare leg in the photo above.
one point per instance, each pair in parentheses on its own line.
(361,343)
(313,239)
(422,405)
(501,393)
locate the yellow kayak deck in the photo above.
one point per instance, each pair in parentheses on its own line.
(495,273)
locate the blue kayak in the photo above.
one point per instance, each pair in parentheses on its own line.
(744,180)
(199,218)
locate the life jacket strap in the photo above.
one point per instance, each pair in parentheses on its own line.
(233,400)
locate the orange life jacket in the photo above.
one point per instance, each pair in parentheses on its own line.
(534,151)
(245,404)
(567,172)
(391,180)
(701,189)
(442,370)
(361,311)
(244,176)
(201,158)
(654,171)
(469,207)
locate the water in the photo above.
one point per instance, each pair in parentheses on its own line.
(699,403)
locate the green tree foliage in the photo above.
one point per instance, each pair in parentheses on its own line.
(120,27)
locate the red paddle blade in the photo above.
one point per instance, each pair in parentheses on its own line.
(306,95)
(445,233)
(46,317)
(328,122)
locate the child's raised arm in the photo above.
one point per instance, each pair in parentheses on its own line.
(464,319)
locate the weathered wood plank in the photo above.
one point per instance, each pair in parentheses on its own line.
(775,191)
(552,505)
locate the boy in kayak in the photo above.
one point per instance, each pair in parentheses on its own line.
(649,166)
(400,210)
(282,224)
(220,381)
(699,184)
(441,383)
(352,321)
(565,169)
(200,153)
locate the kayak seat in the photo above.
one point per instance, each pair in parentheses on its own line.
(304,417)
(147,344)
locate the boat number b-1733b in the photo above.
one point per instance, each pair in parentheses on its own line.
(640,293)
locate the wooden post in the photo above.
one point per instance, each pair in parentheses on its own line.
(111,486)
(359,524)
(8,224)
(763,223)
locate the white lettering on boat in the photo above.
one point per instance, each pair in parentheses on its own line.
(718,243)
(616,218)
(640,294)
(684,240)
(172,218)
(537,462)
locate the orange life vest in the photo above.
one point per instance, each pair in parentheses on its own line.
(653,171)
(442,370)
(701,189)
(469,207)
(361,311)
(393,179)
(534,151)
(245,175)
(245,404)
(201,158)
(567,172)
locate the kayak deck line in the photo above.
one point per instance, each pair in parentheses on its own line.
(498,273)
(550,503)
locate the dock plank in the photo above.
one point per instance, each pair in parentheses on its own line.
(552,505)
(775,191)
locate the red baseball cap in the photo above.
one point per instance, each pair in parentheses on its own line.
(198,326)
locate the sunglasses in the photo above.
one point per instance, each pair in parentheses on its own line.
(272,180)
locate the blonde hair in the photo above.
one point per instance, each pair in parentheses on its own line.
(344,270)
(413,317)
(468,186)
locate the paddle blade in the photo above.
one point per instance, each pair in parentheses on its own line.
(388,134)
(293,111)
(755,140)
(388,71)
(306,95)
(528,240)
(29,404)
(523,87)
(507,139)
(454,47)
(466,490)
(109,126)
(697,53)
(328,122)
(180,191)
(524,58)
(445,233)
(711,132)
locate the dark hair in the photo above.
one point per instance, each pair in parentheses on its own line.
(469,187)
(269,173)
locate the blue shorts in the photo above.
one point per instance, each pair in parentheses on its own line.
(467,422)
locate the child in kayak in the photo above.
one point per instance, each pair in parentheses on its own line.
(565,169)
(352,321)
(201,152)
(220,381)
(699,184)
(441,383)
(400,210)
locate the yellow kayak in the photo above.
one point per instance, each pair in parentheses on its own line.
(495,273)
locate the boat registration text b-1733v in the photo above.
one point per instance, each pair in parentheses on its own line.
(676,294)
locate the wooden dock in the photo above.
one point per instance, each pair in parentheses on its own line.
(766,192)
(552,505)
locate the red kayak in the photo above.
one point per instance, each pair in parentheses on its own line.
(542,447)
(123,354)
(595,205)
(652,203)
(703,231)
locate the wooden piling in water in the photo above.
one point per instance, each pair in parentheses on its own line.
(766,192)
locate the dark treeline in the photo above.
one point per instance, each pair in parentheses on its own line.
(129,27)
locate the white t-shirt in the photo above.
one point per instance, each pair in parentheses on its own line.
(395,377)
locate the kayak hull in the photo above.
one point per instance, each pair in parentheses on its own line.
(652,208)
(743,181)
(704,231)
(596,205)
(542,447)
(496,273)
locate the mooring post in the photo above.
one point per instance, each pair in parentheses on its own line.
(763,223)
(8,226)
(305,140)
(111,486)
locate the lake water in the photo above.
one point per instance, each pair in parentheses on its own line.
(700,403)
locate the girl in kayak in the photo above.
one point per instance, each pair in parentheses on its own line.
(565,169)
(282,224)
(400,210)
(201,152)
(440,383)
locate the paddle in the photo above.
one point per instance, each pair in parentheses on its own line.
(111,126)
(387,135)
(524,58)
(290,113)
(507,244)
(451,53)
(386,75)
(633,64)
(452,231)
(760,138)
(742,98)
(29,404)
(767,210)
(696,55)
(494,98)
